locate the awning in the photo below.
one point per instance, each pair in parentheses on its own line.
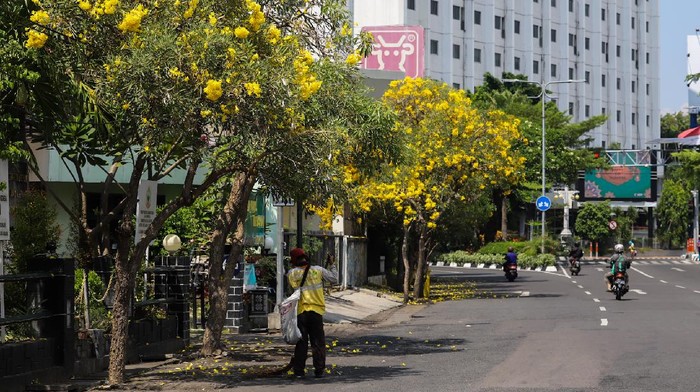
(686,141)
(690,132)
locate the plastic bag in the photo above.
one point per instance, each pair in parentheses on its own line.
(250,282)
(288,318)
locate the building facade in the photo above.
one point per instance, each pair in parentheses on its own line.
(611,44)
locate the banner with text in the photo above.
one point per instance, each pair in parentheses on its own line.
(146,207)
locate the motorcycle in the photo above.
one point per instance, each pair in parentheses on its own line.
(574,265)
(511,271)
(619,286)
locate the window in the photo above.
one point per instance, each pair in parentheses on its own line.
(634,55)
(433,46)
(603,113)
(516,63)
(516,27)
(571,5)
(497,59)
(477,55)
(571,73)
(634,119)
(602,14)
(619,83)
(587,9)
(634,86)
(647,56)
(455,51)
(602,80)
(433,7)
(633,23)
(554,3)
(603,47)
(617,18)
(497,22)
(477,17)
(572,39)
(619,116)
(588,76)
(554,35)
(587,43)
(648,88)
(456,85)
(535,31)
(648,120)
(617,51)
(647,24)
(535,67)
(411,4)
(588,110)
(553,70)
(571,108)
(456,12)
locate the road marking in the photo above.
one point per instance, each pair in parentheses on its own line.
(697,292)
(643,273)
(662,281)
(579,286)
(680,287)
(596,300)
(587,292)
(603,322)
(678,269)
(599,269)
(602,309)
(525,294)
(574,282)
(638,291)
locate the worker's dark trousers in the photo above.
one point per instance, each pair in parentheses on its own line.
(311,326)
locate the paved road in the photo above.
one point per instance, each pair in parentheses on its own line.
(543,332)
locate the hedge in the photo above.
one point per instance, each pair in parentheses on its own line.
(461,257)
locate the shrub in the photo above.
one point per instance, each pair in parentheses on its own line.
(500,247)
(461,258)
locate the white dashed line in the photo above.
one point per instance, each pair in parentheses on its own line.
(574,282)
(680,287)
(643,273)
(662,281)
(599,269)
(587,292)
(596,300)
(603,322)
(696,292)
(638,291)
(579,286)
(678,269)
(602,309)
(525,294)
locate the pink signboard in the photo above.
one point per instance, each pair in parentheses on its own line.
(396,48)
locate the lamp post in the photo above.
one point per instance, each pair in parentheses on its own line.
(694,192)
(567,197)
(543,95)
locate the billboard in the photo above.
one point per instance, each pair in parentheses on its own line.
(396,48)
(620,182)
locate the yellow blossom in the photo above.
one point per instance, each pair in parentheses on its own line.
(84,5)
(212,19)
(192,6)
(40,17)
(132,19)
(213,90)
(252,88)
(35,39)
(241,32)
(353,59)
(110,6)
(273,34)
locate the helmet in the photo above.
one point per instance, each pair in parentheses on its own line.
(619,248)
(510,249)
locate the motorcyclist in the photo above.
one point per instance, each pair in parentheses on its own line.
(575,253)
(510,258)
(633,251)
(617,264)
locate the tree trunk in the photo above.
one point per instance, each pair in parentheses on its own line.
(419,279)
(406,264)
(232,216)
(504,217)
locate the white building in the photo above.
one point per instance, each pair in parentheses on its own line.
(612,44)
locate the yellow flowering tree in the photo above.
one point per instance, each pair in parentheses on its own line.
(184,84)
(453,153)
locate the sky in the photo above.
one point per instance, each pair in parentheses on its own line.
(679,19)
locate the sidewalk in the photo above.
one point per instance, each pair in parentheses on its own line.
(247,352)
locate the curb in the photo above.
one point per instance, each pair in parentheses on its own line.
(549,268)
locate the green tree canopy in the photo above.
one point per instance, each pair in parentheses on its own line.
(674,123)
(672,213)
(592,221)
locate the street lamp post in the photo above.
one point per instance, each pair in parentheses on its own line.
(543,95)
(694,192)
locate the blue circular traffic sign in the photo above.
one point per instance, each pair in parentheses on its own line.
(543,203)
